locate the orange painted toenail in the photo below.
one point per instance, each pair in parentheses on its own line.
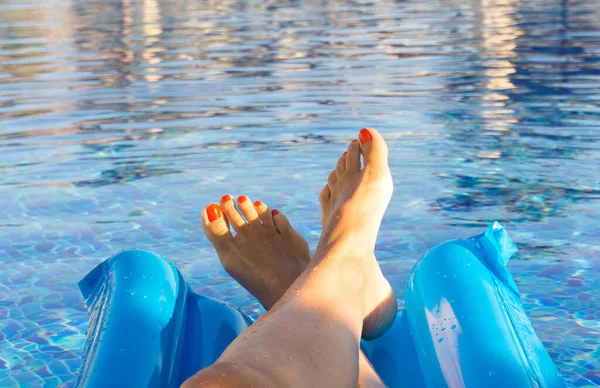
(213,212)
(274,212)
(226,198)
(364,136)
(242,199)
(257,203)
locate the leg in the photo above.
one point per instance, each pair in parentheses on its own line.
(367,377)
(341,287)
(266,255)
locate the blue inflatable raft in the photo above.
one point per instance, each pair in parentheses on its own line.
(463,325)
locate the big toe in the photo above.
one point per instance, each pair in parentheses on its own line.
(373,148)
(215,225)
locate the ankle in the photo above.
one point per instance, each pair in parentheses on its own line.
(335,283)
(343,243)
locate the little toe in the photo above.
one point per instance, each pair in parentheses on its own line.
(265,214)
(325,195)
(214,225)
(373,148)
(234,218)
(353,157)
(247,210)
(332,179)
(281,222)
(340,168)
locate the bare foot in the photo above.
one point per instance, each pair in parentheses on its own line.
(253,266)
(265,256)
(341,287)
(353,203)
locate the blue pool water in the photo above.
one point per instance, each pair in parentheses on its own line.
(120,119)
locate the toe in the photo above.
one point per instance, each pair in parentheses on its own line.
(325,195)
(247,210)
(353,157)
(264,213)
(324,199)
(234,218)
(340,168)
(281,221)
(373,148)
(332,179)
(214,225)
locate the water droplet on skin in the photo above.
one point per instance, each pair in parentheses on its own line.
(440,340)
(453,327)
(443,329)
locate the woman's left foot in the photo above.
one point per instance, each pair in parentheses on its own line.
(265,256)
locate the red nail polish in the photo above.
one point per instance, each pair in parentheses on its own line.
(345,153)
(213,212)
(354,140)
(242,199)
(257,203)
(226,198)
(274,212)
(364,136)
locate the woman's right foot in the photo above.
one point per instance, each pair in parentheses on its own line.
(266,255)
(353,203)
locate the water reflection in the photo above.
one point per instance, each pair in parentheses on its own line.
(533,118)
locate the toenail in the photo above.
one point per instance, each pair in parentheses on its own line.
(213,212)
(257,203)
(274,212)
(345,153)
(242,199)
(365,136)
(355,140)
(226,198)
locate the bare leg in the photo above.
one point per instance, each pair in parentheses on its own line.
(266,255)
(310,337)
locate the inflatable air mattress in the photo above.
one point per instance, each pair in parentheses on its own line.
(463,323)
